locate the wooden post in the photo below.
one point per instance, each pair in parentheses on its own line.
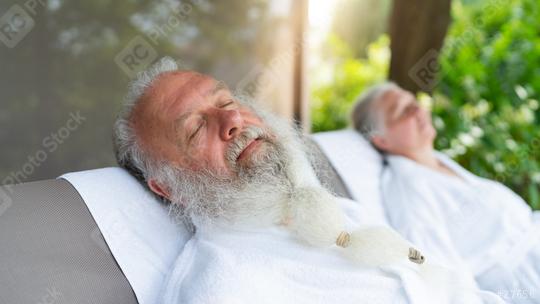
(417,31)
(300,98)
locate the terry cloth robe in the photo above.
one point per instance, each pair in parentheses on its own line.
(466,221)
(239,265)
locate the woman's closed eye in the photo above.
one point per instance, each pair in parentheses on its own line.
(410,109)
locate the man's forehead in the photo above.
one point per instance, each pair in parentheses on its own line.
(185,84)
(177,91)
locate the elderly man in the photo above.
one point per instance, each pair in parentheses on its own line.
(265,231)
(454,216)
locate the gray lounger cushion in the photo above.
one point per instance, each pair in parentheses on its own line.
(326,173)
(51,250)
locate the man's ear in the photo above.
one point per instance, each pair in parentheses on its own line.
(159,189)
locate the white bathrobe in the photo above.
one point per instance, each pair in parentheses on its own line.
(267,265)
(467,222)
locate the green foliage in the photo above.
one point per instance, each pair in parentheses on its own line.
(343,80)
(486,104)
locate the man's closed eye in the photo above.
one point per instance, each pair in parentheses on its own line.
(228,103)
(199,127)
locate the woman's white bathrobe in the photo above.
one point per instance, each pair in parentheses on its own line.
(467,222)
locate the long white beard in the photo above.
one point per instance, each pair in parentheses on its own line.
(282,189)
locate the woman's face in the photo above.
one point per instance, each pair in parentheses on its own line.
(407,126)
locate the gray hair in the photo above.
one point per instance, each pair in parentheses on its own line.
(365,120)
(128,152)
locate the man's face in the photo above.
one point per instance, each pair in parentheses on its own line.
(192,121)
(407,126)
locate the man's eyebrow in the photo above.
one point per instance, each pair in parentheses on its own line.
(220,86)
(179,122)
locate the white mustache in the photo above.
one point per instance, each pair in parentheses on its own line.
(241,142)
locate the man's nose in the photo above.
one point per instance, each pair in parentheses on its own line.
(231,124)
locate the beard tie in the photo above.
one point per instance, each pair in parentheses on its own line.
(315,217)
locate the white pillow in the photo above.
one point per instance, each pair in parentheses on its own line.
(136,226)
(358,164)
